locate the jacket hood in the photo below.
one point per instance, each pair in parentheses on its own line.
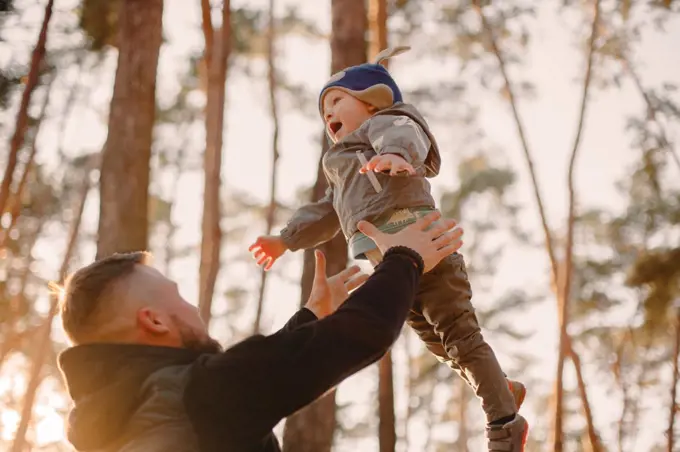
(433,161)
(105,381)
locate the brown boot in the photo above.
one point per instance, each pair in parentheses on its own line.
(519,392)
(509,437)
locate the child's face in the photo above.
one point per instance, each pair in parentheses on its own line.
(344,113)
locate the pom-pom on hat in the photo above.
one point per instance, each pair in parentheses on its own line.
(368,82)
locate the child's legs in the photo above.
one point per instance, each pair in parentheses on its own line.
(426,333)
(420,325)
(444,298)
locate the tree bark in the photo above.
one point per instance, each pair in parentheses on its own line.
(387,435)
(673,410)
(211,237)
(312,428)
(125,168)
(557,271)
(271,208)
(377,20)
(463,434)
(45,332)
(22,116)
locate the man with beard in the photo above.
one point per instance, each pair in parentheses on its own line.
(145,375)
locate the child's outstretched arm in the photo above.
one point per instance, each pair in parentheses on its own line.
(400,136)
(311,225)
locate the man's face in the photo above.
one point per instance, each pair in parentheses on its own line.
(343,113)
(186,328)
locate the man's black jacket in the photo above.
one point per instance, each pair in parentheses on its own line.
(137,398)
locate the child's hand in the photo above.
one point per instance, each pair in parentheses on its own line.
(392,162)
(266,249)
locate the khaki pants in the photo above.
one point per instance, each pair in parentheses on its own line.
(445,320)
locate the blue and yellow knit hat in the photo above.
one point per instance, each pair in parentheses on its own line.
(368,82)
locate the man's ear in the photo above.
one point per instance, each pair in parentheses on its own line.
(152,322)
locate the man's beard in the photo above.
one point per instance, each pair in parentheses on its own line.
(191,340)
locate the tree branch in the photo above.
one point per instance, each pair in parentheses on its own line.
(565,281)
(273,110)
(651,109)
(211,231)
(45,331)
(208,30)
(22,115)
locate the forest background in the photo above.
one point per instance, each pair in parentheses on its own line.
(189,127)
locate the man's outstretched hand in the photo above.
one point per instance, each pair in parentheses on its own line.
(432,244)
(329,293)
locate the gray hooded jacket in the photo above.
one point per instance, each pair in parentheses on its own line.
(351,196)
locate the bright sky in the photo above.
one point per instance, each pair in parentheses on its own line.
(553,64)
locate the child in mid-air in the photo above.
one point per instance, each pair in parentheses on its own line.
(382,153)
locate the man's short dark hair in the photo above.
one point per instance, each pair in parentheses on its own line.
(87,291)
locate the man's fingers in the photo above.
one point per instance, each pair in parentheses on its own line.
(253,246)
(448,238)
(427,220)
(356,281)
(369,230)
(441,227)
(319,264)
(347,273)
(449,249)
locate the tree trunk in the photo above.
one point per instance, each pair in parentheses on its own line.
(377,20)
(558,272)
(387,435)
(125,168)
(311,429)
(15,201)
(463,434)
(45,332)
(271,208)
(410,377)
(593,437)
(564,285)
(217,56)
(22,115)
(673,410)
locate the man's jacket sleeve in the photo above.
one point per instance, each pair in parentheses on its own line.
(242,393)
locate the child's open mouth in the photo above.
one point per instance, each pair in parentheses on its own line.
(335,127)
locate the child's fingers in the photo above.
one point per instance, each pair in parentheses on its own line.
(403,167)
(371,165)
(269,264)
(382,165)
(264,258)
